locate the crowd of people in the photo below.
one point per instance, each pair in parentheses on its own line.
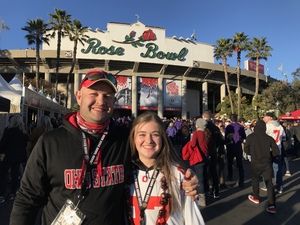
(226,144)
(92,167)
(242,141)
(16,145)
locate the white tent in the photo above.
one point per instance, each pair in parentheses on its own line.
(30,87)
(54,100)
(41,93)
(10,93)
(48,97)
(16,84)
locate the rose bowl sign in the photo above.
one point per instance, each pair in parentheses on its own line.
(144,41)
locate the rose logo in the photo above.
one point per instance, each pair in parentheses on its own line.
(148,35)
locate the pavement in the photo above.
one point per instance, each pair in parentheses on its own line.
(233,206)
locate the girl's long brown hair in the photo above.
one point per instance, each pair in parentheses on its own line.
(167,157)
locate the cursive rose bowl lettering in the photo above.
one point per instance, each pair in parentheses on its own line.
(152,50)
(96,48)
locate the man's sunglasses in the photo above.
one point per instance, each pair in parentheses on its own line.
(100,75)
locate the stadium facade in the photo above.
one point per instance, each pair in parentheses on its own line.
(174,76)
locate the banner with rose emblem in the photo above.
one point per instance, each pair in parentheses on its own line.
(147,93)
(123,97)
(172,95)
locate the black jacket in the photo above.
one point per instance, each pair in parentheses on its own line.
(52,176)
(261,146)
(13,144)
(216,138)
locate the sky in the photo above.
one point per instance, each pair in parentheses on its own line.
(211,20)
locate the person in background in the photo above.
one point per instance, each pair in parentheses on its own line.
(257,147)
(248,128)
(227,122)
(155,193)
(215,143)
(185,133)
(276,131)
(252,126)
(248,131)
(177,124)
(55,123)
(201,138)
(79,170)
(286,147)
(221,155)
(295,132)
(45,126)
(234,136)
(242,122)
(12,154)
(171,132)
(9,121)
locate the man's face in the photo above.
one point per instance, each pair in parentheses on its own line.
(96,102)
(267,119)
(242,123)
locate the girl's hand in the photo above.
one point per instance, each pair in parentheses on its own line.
(190,184)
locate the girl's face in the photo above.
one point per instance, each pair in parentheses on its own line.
(148,142)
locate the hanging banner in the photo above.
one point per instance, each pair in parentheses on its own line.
(147,93)
(123,97)
(172,95)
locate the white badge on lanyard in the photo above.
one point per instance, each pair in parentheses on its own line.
(69,215)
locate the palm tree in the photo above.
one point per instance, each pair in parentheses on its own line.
(37,30)
(241,43)
(224,49)
(58,23)
(258,49)
(76,34)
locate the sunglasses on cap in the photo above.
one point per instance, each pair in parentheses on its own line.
(98,75)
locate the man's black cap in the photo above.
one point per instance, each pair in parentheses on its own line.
(270,114)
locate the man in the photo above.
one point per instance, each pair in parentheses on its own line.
(234,136)
(245,124)
(275,130)
(286,147)
(215,143)
(78,171)
(295,132)
(178,124)
(221,154)
(257,147)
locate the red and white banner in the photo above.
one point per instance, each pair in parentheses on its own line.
(147,93)
(123,97)
(172,95)
(250,65)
